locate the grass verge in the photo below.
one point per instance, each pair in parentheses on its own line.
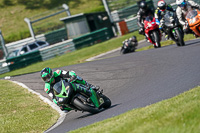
(13,13)
(22,111)
(179,114)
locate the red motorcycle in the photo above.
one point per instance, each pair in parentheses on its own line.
(152,31)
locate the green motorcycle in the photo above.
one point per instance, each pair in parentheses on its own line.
(67,95)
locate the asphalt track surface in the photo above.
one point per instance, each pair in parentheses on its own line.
(131,81)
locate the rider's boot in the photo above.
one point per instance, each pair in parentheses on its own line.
(64,108)
(94,87)
(84,90)
(147,40)
(166,37)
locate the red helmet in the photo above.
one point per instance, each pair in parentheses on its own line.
(161,5)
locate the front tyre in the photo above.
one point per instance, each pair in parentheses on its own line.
(179,38)
(107,101)
(156,37)
(84,107)
(123,51)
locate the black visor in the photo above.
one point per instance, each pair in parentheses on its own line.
(47,78)
(162,7)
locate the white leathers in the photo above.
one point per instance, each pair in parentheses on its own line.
(182,11)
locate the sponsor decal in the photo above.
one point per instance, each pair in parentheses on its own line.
(101,101)
(46,89)
(57,71)
(60,99)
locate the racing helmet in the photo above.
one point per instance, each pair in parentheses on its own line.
(143,6)
(161,5)
(181,3)
(46,74)
(133,39)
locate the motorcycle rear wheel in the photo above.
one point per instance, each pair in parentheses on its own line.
(84,107)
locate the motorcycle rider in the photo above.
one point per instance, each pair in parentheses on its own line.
(143,12)
(133,41)
(181,11)
(159,15)
(50,78)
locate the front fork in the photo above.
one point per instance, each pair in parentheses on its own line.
(94,98)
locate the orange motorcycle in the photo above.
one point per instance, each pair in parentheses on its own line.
(193,19)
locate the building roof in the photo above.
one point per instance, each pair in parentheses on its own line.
(72,17)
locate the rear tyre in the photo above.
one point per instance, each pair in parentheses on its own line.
(83,107)
(156,39)
(180,38)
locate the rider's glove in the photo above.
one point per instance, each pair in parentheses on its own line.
(141,30)
(72,78)
(160,27)
(51,95)
(186,26)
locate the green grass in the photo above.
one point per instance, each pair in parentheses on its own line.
(22,111)
(13,12)
(179,114)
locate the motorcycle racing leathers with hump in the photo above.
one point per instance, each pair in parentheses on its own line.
(143,12)
(59,75)
(159,16)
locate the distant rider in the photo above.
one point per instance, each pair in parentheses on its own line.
(159,15)
(181,11)
(50,78)
(133,43)
(143,12)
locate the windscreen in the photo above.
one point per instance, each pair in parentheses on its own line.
(168,17)
(13,53)
(191,14)
(57,88)
(149,18)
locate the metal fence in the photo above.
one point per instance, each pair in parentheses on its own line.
(4,67)
(23,60)
(55,50)
(93,38)
(56,36)
(128,11)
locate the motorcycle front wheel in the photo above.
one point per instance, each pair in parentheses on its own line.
(107,101)
(123,51)
(179,38)
(156,38)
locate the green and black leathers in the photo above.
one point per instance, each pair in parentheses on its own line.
(69,76)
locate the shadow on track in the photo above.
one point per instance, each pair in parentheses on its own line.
(89,114)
